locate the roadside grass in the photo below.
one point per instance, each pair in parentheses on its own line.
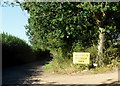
(67,67)
(105,69)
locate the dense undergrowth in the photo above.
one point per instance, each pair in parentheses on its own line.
(62,65)
(16,51)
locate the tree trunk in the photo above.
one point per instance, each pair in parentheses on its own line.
(100,47)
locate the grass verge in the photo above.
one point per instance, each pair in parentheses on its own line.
(67,67)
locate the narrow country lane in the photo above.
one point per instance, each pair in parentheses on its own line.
(33,74)
(106,78)
(21,74)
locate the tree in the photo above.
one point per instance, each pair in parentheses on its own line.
(106,17)
(60,25)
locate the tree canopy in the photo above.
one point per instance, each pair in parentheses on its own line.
(56,25)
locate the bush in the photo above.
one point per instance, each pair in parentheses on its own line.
(65,65)
(110,55)
(15,51)
(41,54)
(93,54)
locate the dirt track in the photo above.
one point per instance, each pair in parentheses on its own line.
(80,79)
(33,74)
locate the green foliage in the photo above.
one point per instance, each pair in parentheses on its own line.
(61,65)
(110,55)
(105,15)
(66,67)
(69,27)
(12,40)
(58,25)
(41,54)
(0,38)
(16,51)
(93,54)
(77,47)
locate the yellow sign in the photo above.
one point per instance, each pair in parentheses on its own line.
(81,58)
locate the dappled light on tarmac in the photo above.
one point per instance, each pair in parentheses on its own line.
(23,74)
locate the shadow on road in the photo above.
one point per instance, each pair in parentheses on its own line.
(21,74)
(114,83)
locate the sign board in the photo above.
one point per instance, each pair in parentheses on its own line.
(81,58)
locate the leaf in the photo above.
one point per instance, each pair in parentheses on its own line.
(108,31)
